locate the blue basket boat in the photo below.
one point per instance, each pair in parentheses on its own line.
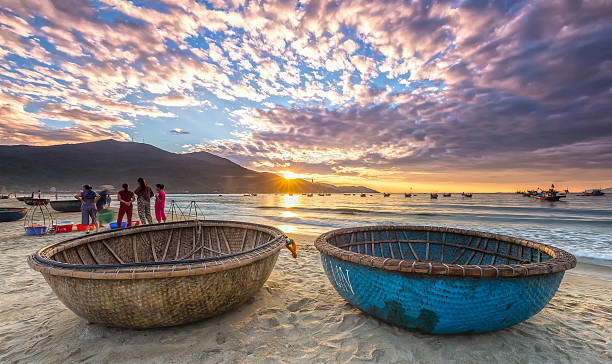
(12,214)
(442,280)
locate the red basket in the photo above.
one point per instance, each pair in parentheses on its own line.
(83,227)
(63,228)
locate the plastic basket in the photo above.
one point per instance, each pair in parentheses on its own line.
(84,228)
(35,229)
(63,227)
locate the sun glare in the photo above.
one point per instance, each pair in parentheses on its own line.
(290,175)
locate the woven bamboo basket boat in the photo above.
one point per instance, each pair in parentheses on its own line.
(160,275)
(73,205)
(442,280)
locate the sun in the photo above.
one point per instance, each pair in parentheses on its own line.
(291,175)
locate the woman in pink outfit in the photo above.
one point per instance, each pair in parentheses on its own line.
(160,203)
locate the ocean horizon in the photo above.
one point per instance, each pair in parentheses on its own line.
(581,225)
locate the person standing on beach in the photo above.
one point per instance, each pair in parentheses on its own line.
(160,203)
(88,199)
(126,203)
(104,214)
(144,193)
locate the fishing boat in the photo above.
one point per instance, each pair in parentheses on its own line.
(321,194)
(446,195)
(433,195)
(407,195)
(386,194)
(73,205)
(468,195)
(309,195)
(550,195)
(36,201)
(162,274)
(8,214)
(594,192)
(4,197)
(442,280)
(363,195)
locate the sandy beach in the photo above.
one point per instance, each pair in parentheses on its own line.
(297,317)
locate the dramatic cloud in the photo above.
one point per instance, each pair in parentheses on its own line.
(357,89)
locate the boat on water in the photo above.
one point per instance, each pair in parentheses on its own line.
(386,194)
(73,205)
(433,195)
(309,195)
(593,192)
(446,195)
(321,194)
(530,193)
(363,195)
(468,195)
(163,274)
(407,195)
(442,280)
(8,214)
(550,195)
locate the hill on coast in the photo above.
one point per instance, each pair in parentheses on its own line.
(69,166)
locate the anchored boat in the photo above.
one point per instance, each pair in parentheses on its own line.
(163,274)
(442,280)
(73,205)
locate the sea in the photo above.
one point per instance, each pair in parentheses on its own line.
(581,225)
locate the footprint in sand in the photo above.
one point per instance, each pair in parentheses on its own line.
(299,304)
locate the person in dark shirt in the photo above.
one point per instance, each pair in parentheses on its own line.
(104,214)
(143,201)
(89,198)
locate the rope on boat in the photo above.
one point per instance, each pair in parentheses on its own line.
(292,246)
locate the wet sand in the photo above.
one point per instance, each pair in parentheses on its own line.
(297,317)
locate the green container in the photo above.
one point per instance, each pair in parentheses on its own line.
(106,216)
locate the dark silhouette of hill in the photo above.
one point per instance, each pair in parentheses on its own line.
(69,166)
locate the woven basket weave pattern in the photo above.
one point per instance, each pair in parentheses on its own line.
(138,303)
(160,275)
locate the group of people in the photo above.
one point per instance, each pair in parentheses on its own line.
(92,202)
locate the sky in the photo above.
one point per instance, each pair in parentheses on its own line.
(431,95)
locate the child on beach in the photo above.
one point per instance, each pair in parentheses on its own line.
(88,199)
(143,202)
(160,202)
(126,200)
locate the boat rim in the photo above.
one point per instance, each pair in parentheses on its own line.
(13,209)
(560,259)
(159,269)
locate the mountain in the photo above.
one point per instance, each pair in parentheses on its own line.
(68,166)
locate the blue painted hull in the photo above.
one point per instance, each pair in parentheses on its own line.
(12,215)
(441,304)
